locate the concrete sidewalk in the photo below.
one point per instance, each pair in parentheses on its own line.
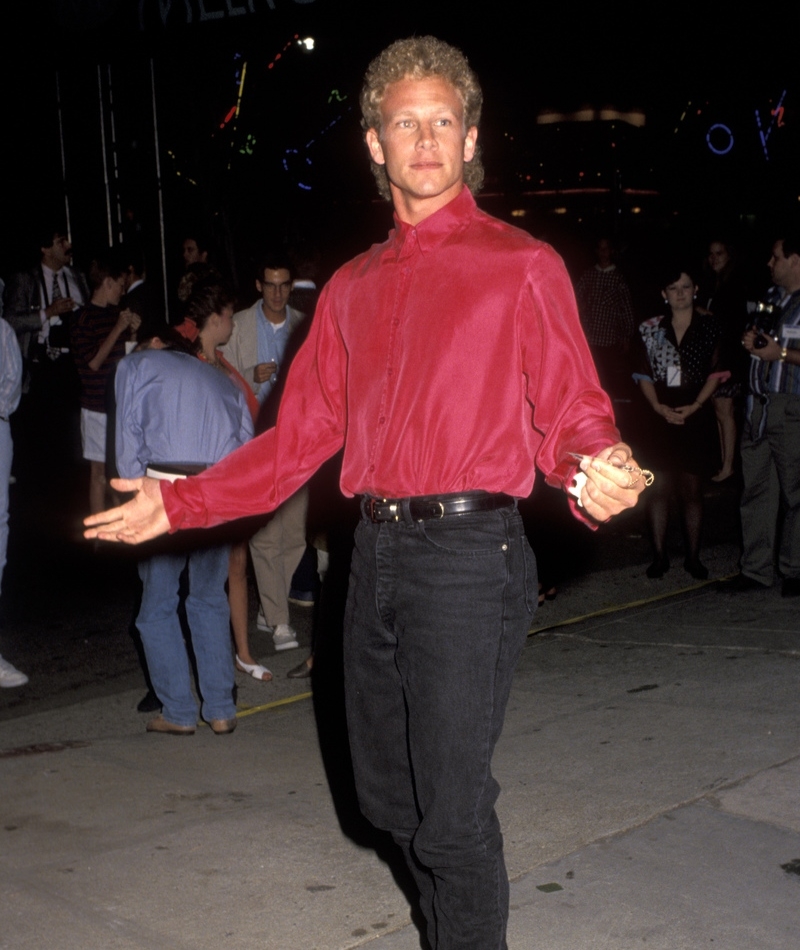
(650,768)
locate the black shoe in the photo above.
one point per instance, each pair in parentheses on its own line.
(659,567)
(302,670)
(791,587)
(698,571)
(150,703)
(741,583)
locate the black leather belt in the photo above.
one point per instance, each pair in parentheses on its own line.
(427,507)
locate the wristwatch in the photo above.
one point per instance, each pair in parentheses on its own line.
(784,353)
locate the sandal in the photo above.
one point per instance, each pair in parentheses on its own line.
(258,672)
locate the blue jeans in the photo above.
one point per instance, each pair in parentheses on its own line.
(437,615)
(209,621)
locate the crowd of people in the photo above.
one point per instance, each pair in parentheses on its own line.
(689,367)
(443,583)
(63,342)
(718,350)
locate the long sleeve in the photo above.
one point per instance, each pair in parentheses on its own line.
(448,359)
(130,445)
(570,409)
(23,304)
(310,429)
(10,370)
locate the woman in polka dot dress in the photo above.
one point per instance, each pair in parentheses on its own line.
(679,373)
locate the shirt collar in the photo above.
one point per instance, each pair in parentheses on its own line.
(275,326)
(435,229)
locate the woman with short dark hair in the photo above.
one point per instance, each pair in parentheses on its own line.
(679,373)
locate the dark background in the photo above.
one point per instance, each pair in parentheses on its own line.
(291,167)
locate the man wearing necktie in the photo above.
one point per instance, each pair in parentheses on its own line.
(39,305)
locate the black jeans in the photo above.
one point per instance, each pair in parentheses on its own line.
(437,615)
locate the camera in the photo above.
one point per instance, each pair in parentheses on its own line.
(765,317)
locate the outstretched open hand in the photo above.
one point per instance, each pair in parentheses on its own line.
(140,519)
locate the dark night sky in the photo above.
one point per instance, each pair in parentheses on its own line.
(657,57)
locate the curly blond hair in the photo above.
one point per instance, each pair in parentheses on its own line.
(420,57)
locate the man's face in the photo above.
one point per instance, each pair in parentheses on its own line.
(423,145)
(782,268)
(192,253)
(115,288)
(59,255)
(274,289)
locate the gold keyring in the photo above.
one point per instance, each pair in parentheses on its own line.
(649,477)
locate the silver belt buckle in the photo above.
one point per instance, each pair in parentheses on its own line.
(382,504)
(395,511)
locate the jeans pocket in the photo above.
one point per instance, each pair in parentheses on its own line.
(470,535)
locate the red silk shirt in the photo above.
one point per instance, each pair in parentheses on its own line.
(449,358)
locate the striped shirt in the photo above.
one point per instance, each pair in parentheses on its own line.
(775,376)
(92,326)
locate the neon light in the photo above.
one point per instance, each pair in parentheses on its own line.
(714,149)
(307,146)
(285,47)
(777,118)
(241,88)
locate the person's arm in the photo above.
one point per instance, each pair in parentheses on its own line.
(256,478)
(659,408)
(10,370)
(570,408)
(708,390)
(129,434)
(716,376)
(22,304)
(127,320)
(772,351)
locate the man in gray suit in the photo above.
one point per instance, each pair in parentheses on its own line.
(39,305)
(40,301)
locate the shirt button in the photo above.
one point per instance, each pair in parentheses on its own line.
(372,468)
(382,420)
(395,323)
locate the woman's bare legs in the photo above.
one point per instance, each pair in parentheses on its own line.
(726,423)
(237,599)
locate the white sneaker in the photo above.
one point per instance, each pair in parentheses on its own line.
(261,621)
(284,638)
(11,676)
